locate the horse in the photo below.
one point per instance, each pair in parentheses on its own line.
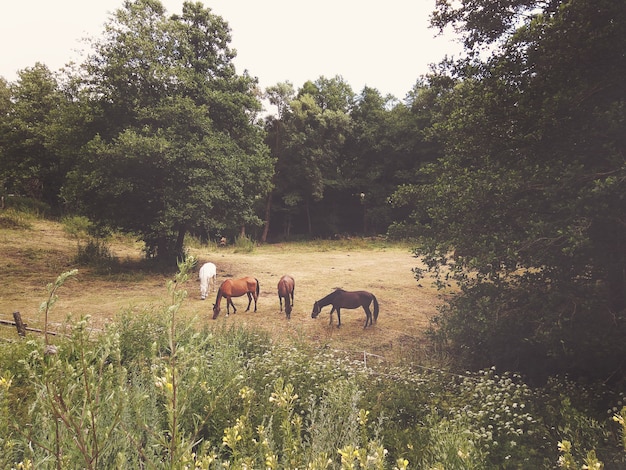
(340,298)
(208,272)
(286,287)
(236,288)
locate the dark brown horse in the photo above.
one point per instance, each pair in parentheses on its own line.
(340,298)
(286,287)
(236,288)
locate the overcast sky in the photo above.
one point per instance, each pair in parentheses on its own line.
(385,45)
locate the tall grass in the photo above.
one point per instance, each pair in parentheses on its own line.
(154,391)
(13,219)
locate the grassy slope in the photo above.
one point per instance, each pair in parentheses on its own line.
(33,252)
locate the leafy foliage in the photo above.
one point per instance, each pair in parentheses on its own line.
(175,150)
(525,208)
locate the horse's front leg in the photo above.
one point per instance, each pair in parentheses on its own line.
(330,322)
(338,317)
(229,301)
(250,301)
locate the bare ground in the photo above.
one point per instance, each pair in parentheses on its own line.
(33,256)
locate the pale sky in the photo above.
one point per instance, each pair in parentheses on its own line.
(386,45)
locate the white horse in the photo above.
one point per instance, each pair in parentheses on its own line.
(208,271)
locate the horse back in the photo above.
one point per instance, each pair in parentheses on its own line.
(352,299)
(286,285)
(207,270)
(239,287)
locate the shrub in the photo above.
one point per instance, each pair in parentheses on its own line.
(244,244)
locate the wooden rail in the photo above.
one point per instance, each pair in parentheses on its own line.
(22,327)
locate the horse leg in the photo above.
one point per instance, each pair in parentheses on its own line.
(330,322)
(249,300)
(338,317)
(203,290)
(229,301)
(280,299)
(368,315)
(254,296)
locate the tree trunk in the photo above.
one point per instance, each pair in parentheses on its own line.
(268,211)
(179,248)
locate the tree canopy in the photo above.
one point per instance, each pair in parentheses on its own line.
(176,148)
(526,206)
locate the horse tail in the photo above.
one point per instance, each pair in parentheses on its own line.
(375,308)
(258,287)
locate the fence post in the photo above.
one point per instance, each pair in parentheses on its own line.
(19,324)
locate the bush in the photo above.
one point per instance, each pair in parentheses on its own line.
(244,244)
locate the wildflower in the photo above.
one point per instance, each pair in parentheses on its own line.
(402,464)
(565,446)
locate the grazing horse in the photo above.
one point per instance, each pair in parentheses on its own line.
(340,298)
(286,286)
(236,288)
(208,272)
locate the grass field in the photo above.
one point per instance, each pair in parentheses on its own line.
(33,252)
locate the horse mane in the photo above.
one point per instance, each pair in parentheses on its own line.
(326,300)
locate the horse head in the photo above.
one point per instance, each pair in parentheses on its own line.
(216,311)
(316,310)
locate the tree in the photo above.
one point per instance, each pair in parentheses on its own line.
(526,206)
(278,95)
(30,164)
(177,148)
(314,129)
(387,148)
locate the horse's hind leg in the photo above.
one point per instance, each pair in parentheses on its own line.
(250,301)
(280,299)
(338,317)
(368,316)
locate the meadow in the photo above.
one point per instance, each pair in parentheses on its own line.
(140,376)
(36,254)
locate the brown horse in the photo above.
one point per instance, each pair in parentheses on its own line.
(236,288)
(346,299)
(286,286)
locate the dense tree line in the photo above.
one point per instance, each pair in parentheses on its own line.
(506,164)
(525,208)
(155,133)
